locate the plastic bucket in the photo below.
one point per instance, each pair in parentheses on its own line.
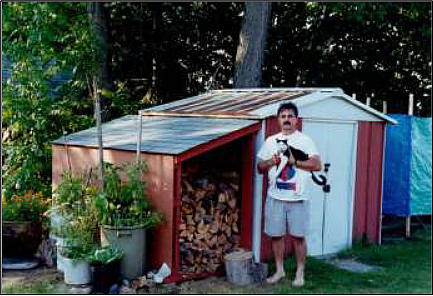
(132,241)
(76,272)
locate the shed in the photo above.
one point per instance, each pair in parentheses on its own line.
(349,135)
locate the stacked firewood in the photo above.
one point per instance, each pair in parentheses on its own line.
(210,220)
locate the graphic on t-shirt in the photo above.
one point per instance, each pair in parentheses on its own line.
(286,173)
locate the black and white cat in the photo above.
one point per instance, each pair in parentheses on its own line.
(284,151)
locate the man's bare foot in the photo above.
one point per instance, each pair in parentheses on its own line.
(298,282)
(275,278)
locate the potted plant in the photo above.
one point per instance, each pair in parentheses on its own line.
(75,268)
(78,233)
(22,223)
(126,214)
(69,194)
(104,267)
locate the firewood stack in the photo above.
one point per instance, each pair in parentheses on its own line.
(210,219)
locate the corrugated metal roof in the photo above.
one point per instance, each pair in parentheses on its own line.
(161,134)
(231,103)
(254,103)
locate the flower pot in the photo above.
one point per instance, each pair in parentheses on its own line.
(21,238)
(132,241)
(76,272)
(104,276)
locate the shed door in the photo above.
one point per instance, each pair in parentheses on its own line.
(331,215)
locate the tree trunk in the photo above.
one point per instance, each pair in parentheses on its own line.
(152,92)
(101,75)
(100,30)
(252,42)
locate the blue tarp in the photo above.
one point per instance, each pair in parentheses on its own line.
(421,167)
(408,167)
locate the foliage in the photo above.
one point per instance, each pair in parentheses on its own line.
(124,203)
(73,200)
(104,255)
(41,41)
(165,51)
(376,50)
(28,207)
(177,44)
(71,191)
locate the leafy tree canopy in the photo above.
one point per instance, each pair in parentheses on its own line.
(160,52)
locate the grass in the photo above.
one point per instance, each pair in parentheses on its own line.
(406,269)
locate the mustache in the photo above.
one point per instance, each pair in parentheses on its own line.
(287,122)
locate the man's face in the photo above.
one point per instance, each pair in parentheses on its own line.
(288,121)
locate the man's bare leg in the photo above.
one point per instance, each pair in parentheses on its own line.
(278,250)
(300,246)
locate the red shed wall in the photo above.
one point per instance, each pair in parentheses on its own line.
(368,186)
(159,185)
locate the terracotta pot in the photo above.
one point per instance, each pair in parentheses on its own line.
(21,238)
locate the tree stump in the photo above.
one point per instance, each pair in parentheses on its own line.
(238,267)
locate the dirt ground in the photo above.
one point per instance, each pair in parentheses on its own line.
(49,276)
(33,277)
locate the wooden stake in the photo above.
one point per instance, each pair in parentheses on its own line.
(139,132)
(384,107)
(410,104)
(408,227)
(410,112)
(99,131)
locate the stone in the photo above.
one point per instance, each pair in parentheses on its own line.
(354,266)
(127,290)
(81,289)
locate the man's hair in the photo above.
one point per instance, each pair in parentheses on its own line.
(287,106)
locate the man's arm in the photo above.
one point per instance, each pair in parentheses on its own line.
(312,164)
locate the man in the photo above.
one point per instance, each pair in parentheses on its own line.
(287,204)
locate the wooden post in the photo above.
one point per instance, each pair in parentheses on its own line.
(384,107)
(97,100)
(139,132)
(410,112)
(368,101)
(408,227)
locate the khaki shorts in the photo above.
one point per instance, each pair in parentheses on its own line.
(282,216)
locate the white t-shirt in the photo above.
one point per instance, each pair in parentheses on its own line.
(287,182)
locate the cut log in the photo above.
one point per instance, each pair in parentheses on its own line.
(209,219)
(187,185)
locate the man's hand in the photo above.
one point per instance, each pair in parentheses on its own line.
(264,165)
(312,164)
(276,159)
